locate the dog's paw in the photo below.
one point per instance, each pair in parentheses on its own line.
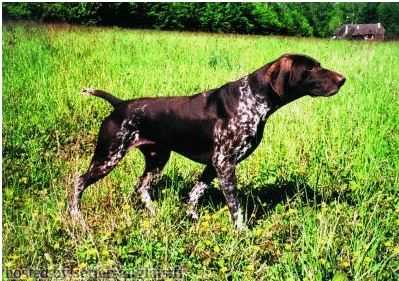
(77,218)
(192,214)
(75,213)
(242,227)
(239,222)
(87,91)
(152,210)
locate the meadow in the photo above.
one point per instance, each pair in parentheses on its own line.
(320,192)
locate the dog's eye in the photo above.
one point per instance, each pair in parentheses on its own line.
(310,67)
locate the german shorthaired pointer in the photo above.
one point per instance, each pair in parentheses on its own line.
(218,128)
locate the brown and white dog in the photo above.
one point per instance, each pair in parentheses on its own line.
(218,128)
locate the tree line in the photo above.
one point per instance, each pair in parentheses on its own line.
(300,19)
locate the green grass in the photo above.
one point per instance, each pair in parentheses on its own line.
(335,160)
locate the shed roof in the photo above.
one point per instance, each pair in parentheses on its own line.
(360,29)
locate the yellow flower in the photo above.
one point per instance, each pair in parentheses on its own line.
(26,278)
(82,265)
(288,247)
(344,264)
(250,267)
(146,224)
(208,242)
(104,253)
(258,232)
(216,249)
(204,225)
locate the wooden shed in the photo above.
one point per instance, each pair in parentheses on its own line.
(374,31)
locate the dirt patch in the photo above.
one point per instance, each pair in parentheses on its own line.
(75,146)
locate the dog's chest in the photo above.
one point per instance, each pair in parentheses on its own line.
(244,131)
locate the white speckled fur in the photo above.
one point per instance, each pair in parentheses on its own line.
(233,140)
(194,196)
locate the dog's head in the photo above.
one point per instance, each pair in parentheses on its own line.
(293,76)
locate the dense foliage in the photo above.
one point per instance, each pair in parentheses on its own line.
(304,19)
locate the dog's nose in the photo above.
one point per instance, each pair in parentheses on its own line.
(340,80)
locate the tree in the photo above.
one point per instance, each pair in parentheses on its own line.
(388,15)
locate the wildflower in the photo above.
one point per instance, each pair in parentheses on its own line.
(146,224)
(216,249)
(204,225)
(344,264)
(250,267)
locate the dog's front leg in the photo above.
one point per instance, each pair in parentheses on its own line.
(225,170)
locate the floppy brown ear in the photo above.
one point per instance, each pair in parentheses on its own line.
(279,73)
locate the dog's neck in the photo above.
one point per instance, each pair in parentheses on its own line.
(251,101)
(264,93)
(259,96)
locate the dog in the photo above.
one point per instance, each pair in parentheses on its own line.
(218,128)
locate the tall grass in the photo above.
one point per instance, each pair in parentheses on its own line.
(321,191)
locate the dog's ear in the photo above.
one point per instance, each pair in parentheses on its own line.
(279,74)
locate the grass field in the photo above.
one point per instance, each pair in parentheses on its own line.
(321,191)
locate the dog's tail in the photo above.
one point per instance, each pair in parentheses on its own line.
(114,101)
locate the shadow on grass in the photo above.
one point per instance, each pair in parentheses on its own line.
(256,199)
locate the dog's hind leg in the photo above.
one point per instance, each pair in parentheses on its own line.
(113,143)
(198,190)
(155,160)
